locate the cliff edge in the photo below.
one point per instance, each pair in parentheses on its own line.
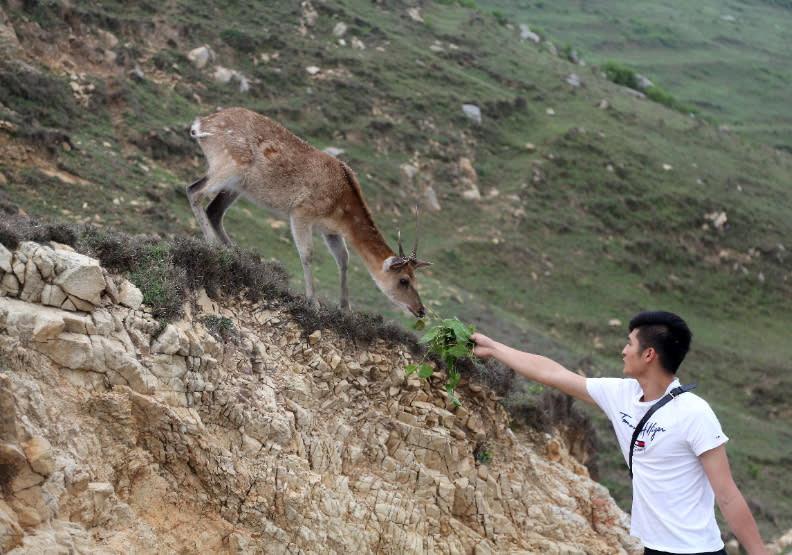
(233,430)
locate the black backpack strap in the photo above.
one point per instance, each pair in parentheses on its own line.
(665,399)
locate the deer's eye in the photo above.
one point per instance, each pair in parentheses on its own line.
(404,281)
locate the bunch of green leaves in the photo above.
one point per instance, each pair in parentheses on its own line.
(484,455)
(451,340)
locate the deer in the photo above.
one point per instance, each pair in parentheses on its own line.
(252,156)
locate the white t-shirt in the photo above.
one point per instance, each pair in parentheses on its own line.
(673,503)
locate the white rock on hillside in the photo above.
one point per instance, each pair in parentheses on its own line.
(527,34)
(201,56)
(473,112)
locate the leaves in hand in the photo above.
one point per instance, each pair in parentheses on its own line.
(451,340)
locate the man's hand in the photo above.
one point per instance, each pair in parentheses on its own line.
(485,347)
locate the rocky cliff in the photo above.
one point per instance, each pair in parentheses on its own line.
(120,436)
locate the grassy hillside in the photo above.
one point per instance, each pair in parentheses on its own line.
(587,213)
(731,60)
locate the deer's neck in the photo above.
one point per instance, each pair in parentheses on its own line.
(362,233)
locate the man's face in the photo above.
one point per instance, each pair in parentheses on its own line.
(631,354)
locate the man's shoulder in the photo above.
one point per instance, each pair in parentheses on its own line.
(612,386)
(626,383)
(692,402)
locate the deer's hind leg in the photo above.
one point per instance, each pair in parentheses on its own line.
(195,194)
(217,209)
(198,191)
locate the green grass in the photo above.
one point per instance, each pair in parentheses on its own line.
(691,50)
(586,227)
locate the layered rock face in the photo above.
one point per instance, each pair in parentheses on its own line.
(118,436)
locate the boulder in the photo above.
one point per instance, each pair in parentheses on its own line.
(473,112)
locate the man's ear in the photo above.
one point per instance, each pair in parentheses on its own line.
(650,354)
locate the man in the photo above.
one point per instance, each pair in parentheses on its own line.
(679,461)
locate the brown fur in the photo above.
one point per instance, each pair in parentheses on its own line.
(251,155)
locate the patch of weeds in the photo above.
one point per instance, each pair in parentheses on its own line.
(361,327)
(619,74)
(220,327)
(230,270)
(163,285)
(660,96)
(483,453)
(37,97)
(17,228)
(239,40)
(117,252)
(496,376)
(569,53)
(499,17)
(622,75)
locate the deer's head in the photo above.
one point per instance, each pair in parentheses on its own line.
(399,280)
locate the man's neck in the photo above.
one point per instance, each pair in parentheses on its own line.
(654,387)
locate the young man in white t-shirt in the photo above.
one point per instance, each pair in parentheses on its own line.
(679,459)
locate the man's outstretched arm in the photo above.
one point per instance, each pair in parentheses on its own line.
(535,367)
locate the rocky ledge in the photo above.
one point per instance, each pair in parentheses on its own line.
(119,435)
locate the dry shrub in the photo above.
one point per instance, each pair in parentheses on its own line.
(554,409)
(361,327)
(17,228)
(230,270)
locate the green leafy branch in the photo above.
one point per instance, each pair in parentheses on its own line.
(451,340)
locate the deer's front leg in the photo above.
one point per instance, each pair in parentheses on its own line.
(302,233)
(338,248)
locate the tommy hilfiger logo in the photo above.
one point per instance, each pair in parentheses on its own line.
(649,431)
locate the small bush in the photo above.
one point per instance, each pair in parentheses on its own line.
(620,74)
(40,99)
(660,96)
(361,327)
(239,40)
(16,228)
(488,372)
(231,270)
(500,17)
(483,453)
(569,53)
(163,285)
(625,76)
(117,252)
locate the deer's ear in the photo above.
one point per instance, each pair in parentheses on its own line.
(418,264)
(394,263)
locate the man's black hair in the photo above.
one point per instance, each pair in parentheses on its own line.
(666,333)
